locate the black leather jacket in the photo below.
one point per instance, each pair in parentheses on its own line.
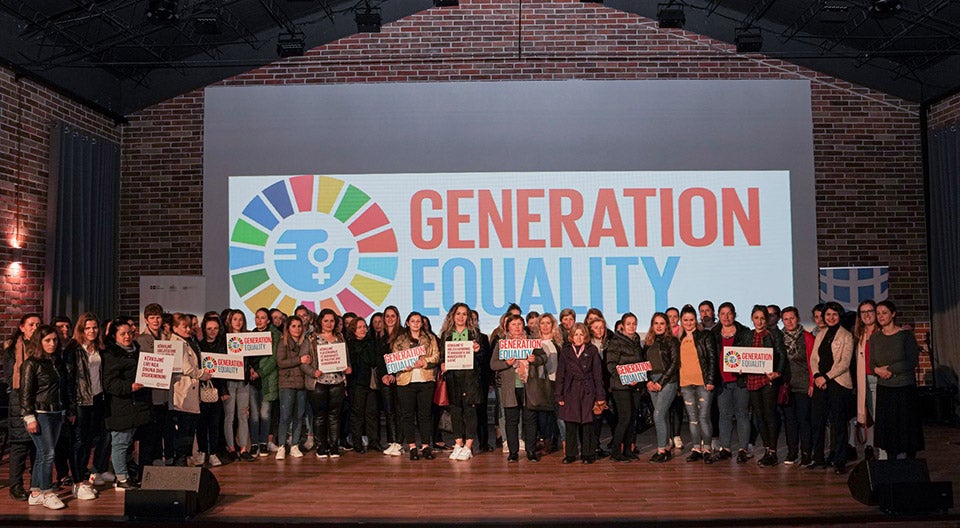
(623,350)
(669,349)
(706,344)
(42,386)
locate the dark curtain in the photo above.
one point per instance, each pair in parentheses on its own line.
(81,227)
(944,203)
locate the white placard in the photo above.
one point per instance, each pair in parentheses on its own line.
(224,366)
(332,357)
(250,344)
(458,355)
(171,348)
(748,360)
(155,371)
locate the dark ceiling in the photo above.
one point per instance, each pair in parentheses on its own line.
(111,54)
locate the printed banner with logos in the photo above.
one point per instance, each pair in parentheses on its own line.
(171,348)
(617,241)
(853,285)
(250,344)
(747,360)
(458,355)
(155,371)
(223,366)
(634,372)
(332,357)
(517,348)
(402,359)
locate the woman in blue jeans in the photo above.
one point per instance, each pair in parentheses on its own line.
(129,404)
(42,405)
(733,399)
(698,378)
(663,353)
(293,359)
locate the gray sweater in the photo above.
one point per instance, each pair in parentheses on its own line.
(898,352)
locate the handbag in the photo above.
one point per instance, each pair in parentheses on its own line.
(539,390)
(446,422)
(208,392)
(440,396)
(783,395)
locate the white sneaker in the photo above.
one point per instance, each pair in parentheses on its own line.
(281,453)
(334,453)
(199,459)
(295,452)
(272,447)
(52,502)
(35,500)
(84,492)
(506,448)
(393,450)
(465,454)
(108,476)
(456,452)
(677,442)
(523,446)
(214,461)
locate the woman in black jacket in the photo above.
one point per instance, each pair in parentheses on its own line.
(212,394)
(20,444)
(363,386)
(463,386)
(663,352)
(625,348)
(733,399)
(43,401)
(698,378)
(763,388)
(128,405)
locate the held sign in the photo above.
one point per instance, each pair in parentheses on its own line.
(403,359)
(223,366)
(517,348)
(173,349)
(633,372)
(332,357)
(458,355)
(250,344)
(747,360)
(155,371)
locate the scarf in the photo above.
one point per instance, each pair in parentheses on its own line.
(19,354)
(795,345)
(863,348)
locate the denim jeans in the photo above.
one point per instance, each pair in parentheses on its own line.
(697,399)
(734,403)
(121,441)
(293,405)
(237,407)
(259,417)
(41,476)
(662,401)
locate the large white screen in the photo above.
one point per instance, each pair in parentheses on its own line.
(618,241)
(392,139)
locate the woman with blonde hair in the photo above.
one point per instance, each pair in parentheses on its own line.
(463,386)
(579,394)
(416,385)
(551,340)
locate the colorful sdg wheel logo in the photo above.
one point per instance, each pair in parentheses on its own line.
(316,241)
(234,345)
(731,358)
(208,364)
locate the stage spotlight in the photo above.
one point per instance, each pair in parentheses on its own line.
(446,3)
(833,12)
(290,45)
(208,23)
(885,8)
(368,20)
(671,15)
(748,40)
(163,11)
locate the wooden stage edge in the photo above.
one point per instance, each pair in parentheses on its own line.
(373,490)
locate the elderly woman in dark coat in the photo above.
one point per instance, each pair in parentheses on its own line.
(579,389)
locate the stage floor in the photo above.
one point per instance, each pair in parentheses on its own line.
(374,489)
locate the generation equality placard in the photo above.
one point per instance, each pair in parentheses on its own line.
(250,344)
(617,241)
(223,366)
(517,348)
(633,372)
(748,360)
(402,359)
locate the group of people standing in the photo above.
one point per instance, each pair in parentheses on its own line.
(75,405)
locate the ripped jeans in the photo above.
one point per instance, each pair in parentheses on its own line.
(697,400)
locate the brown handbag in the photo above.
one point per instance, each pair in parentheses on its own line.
(440,396)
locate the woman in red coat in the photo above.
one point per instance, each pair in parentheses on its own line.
(579,388)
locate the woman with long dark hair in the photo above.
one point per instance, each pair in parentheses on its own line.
(865,384)
(463,386)
(625,348)
(293,359)
(390,400)
(264,390)
(236,407)
(833,389)
(416,385)
(43,402)
(83,360)
(733,399)
(325,391)
(128,405)
(19,441)
(663,352)
(894,360)
(212,393)
(363,386)
(763,388)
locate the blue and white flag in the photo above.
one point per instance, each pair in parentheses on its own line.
(851,286)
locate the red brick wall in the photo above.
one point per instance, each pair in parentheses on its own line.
(866,144)
(21,289)
(946,112)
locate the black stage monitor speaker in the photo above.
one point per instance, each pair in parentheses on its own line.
(171,493)
(917,497)
(869,476)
